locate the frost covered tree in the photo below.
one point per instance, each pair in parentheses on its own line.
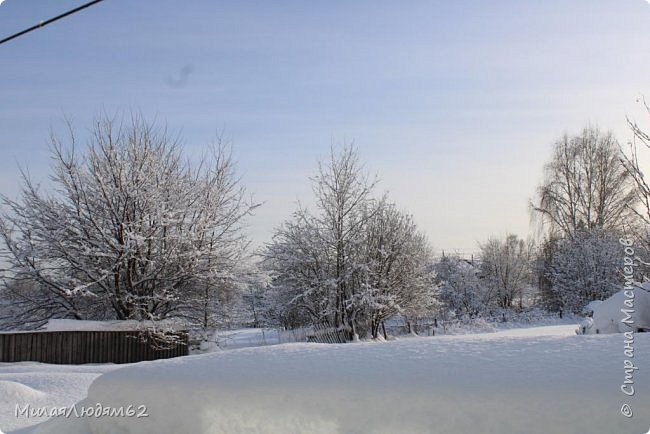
(585,185)
(635,160)
(395,276)
(586,268)
(342,190)
(300,262)
(549,299)
(355,261)
(506,270)
(254,306)
(461,290)
(633,166)
(312,257)
(129,229)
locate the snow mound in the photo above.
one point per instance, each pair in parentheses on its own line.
(491,383)
(12,393)
(42,385)
(633,306)
(590,308)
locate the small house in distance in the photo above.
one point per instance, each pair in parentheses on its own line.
(79,342)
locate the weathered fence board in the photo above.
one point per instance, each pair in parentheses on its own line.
(77,347)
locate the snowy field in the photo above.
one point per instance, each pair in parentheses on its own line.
(534,380)
(241,338)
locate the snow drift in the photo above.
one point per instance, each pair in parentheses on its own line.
(609,314)
(42,385)
(543,380)
(12,393)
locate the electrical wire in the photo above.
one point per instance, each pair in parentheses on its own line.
(51,20)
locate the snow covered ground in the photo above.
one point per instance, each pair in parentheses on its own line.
(241,338)
(480,325)
(42,385)
(255,337)
(535,380)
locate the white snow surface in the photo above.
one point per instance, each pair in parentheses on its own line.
(529,381)
(42,385)
(242,338)
(608,314)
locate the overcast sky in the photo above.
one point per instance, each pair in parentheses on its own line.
(454,104)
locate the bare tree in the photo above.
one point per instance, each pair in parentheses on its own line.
(302,267)
(312,256)
(586,268)
(630,160)
(461,290)
(396,276)
(635,159)
(342,189)
(506,268)
(353,263)
(543,261)
(585,186)
(130,229)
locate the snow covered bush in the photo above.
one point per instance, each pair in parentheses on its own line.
(586,268)
(129,229)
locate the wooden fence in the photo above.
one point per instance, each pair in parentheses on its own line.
(316,333)
(77,347)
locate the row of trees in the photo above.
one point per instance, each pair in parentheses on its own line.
(131,230)
(515,274)
(587,201)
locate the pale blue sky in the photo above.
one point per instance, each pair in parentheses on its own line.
(455,104)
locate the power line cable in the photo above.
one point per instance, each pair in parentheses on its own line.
(51,20)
